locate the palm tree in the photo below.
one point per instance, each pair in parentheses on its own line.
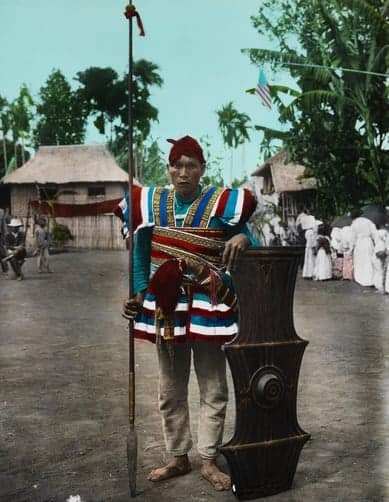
(21,115)
(5,127)
(234,128)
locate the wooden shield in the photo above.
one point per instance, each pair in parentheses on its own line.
(265,359)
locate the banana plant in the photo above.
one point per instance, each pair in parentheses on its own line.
(338,118)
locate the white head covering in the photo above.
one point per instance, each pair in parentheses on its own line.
(308,222)
(15,222)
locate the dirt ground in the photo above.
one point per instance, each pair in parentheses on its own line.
(63,391)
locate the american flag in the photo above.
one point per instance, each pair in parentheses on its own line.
(262,89)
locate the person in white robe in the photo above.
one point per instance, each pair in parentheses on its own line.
(310,249)
(364,238)
(323,263)
(336,252)
(379,259)
(386,267)
(347,247)
(336,239)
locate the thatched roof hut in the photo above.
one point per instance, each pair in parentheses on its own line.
(287,179)
(68,164)
(75,176)
(285,176)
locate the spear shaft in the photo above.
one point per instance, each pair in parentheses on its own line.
(132,441)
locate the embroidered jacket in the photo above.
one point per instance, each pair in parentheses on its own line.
(195,237)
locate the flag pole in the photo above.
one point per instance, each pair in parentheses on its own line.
(132,440)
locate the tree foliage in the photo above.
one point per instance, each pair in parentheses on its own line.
(150,167)
(233,125)
(214,172)
(338,120)
(106,98)
(61,114)
(15,128)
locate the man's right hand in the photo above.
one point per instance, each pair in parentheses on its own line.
(132,306)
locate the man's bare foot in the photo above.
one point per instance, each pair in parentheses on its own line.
(176,467)
(218,479)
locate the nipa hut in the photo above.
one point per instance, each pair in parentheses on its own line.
(78,185)
(286,180)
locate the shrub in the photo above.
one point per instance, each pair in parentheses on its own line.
(60,234)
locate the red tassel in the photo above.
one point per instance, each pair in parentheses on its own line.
(132,12)
(165,285)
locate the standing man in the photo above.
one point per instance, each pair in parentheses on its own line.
(42,244)
(3,255)
(3,249)
(188,237)
(14,242)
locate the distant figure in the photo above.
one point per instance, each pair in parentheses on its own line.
(310,250)
(277,230)
(3,250)
(323,264)
(3,222)
(286,234)
(14,243)
(379,258)
(42,244)
(337,253)
(292,231)
(303,223)
(347,247)
(386,267)
(364,237)
(3,254)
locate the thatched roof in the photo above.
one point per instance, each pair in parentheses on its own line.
(287,176)
(69,164)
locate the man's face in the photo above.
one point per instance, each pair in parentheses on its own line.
(185,176)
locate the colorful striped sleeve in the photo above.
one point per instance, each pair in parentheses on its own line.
(235,205)
(142,214)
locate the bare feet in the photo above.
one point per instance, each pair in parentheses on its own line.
(176,467)
(218,479)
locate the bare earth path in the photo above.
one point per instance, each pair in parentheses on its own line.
(63,391)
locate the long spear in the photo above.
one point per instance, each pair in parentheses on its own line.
(132,440)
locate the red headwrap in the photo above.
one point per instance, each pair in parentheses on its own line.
(185,146)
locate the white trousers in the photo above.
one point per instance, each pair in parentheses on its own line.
(210,368)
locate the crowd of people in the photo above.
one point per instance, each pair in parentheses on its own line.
(356,251)
(13,250)
(354,247)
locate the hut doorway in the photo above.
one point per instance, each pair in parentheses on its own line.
(5,197)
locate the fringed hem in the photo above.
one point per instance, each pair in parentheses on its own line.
(195,337)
